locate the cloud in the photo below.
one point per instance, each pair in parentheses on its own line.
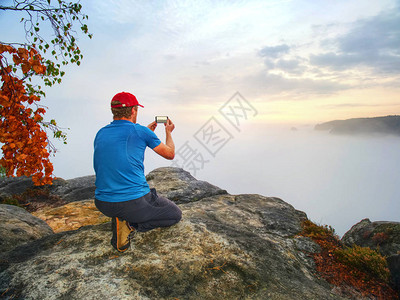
(293,66)
(274,51)
(336,61)
(285,74)
(351,105)
(278,58)
(367,54)
(294,88)
(372,42)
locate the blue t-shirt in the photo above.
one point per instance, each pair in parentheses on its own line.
(118,160)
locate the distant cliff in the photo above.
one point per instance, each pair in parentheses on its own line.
(377,125)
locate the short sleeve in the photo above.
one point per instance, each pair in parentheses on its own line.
(151,138)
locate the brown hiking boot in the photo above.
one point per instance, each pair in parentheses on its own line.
(122,234)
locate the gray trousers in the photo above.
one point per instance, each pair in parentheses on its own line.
(144,213)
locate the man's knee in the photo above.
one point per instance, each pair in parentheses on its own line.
(178,215)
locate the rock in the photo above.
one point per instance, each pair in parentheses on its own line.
(17,227)
(356,233)
(254,213)
(383,236)
(226,247)
(180,186)
(174,183)
(72,216)
(394,267)
(191,260)
(76,189)
(14,185)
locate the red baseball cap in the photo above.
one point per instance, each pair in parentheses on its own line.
(126,99)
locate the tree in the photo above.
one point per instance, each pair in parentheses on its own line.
(23,132)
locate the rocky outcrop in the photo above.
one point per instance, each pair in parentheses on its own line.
(226,247)
(72,215)
(382,235)
(76,189)
(81,188)
(223,249)
(14,185)
(180,186)
(377,125)
(18,227)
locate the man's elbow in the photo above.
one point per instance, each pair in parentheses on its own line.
(170,156)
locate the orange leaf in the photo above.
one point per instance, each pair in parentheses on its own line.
(23,53)
(25,68)
(17,60)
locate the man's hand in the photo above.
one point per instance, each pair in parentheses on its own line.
(169,126)
(152,126)
(167,150)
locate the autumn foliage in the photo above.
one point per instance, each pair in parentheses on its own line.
(23,138)
(23,132)
(361,268)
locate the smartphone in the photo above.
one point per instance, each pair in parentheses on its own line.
(161,119)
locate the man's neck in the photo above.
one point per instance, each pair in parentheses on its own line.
(125,119)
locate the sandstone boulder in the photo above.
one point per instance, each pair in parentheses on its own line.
(18,227)
(226,247)
(228,251)
(72,215)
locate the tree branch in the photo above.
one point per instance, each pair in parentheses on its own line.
(34,9)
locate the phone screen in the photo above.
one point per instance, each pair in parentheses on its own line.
(161,119)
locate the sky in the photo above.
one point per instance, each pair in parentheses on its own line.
(295,64)
(297,61)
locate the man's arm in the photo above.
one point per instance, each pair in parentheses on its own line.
(167,150)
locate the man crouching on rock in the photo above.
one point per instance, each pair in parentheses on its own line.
(122,192)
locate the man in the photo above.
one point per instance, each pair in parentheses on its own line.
(122,192)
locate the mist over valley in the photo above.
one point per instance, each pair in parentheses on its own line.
(336,179)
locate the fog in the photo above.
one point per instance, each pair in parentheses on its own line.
(336,180)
